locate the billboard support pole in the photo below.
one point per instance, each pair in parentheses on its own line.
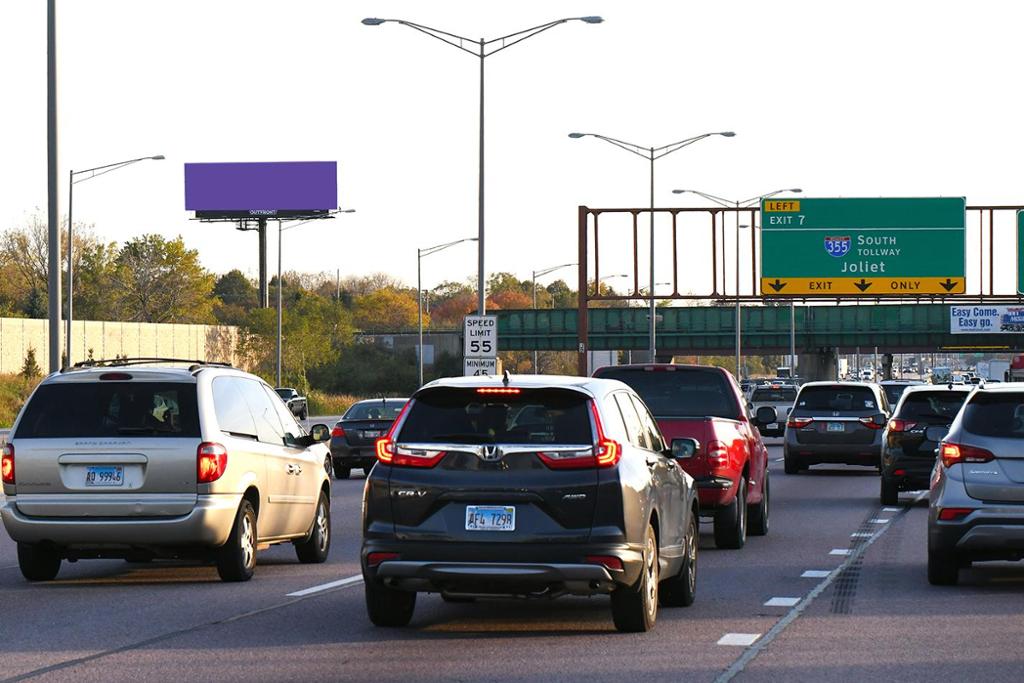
(52,208)
(264,289)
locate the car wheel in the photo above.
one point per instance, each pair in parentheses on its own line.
(342,472)
(758,514)
(315,549)
(304,415)
(943,568)
(791,466)
(236,559)
(681,589)
(731,522)
(388,606)
(38,562)
(890,492)
(635,608)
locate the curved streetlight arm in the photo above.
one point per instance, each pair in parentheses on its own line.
(721,201)
(628,146)
(664,150)
(545,271)
(441,247)
(107,168)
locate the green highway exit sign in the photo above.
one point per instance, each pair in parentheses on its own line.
(863,247)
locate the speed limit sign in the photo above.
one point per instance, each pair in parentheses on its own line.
(481,335)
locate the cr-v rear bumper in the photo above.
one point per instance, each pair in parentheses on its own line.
(512,569)
(208,524)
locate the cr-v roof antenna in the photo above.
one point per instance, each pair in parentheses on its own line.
(504,380)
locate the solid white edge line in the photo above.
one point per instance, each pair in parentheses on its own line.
(327,586)
(753,650)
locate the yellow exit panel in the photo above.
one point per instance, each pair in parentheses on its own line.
(863,286)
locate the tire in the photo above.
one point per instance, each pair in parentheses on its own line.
(304,414)
(681,589)
(943,568)
(635,608)
(388,606)
(236,559)
(890,493)
(731,522)
(757,515)
(342,472)
(316,548)
(791,466)
(38,562)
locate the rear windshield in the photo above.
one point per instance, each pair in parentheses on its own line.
(285,393)
(542,416)
(374,410)
(990,414)
(104,409)
(894,391)
(685,392)
(934,406)
(768,394)
(837,398)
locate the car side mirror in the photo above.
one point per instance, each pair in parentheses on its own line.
(684,448)
(936,433)
(320,433)
(765,415)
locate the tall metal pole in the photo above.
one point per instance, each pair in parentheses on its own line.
(481,297)
(52,205)
(654,321)
(739,372)
(279,288)
(71,296)
(792,338)
(535,370)
(419,306)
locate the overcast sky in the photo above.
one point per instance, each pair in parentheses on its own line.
(841,99)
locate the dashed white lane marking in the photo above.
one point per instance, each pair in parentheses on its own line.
(890,509)
(741,639)
(782,602)
(779,459)
(327,586)
(815,573)
(879,521)
(861,534)
(840,551)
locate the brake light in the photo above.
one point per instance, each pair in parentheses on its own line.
(385,445)
(870,423)
(799,422)
(7,463)
(390,453)
(953,514)
(374,559)
(211,461)
(898,425)
(717,453)
(501,391)
(115,377)
(952,453)
(606,561)
(605,453)
(338,432)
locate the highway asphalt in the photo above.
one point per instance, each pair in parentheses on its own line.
(866,612)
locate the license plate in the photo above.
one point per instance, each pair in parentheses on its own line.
(372,433)
(104,476)
(490,518)
(836,427)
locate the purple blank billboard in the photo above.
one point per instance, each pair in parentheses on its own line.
(261,188)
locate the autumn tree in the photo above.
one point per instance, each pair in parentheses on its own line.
(161,281)
(386,309)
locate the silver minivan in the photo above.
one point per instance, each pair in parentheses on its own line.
(127,459)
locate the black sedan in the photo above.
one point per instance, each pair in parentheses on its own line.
(354,437)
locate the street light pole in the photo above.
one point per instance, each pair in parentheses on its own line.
(536,274)
(652,154)
(97,171)
(482,49)
(420,253)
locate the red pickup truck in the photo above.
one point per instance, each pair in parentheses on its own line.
(730,461)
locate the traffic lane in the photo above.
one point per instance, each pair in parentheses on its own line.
(96,605)
(328,636)
(882,620)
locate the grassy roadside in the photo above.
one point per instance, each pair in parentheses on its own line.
(14,391)
(329,404)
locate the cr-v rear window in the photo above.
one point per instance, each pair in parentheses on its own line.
(995,414)
(108,408)
(680,392)
(468,415)
(935,406)
(837,398)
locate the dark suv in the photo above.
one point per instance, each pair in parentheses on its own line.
(908,455)
(529,487)
(836,422)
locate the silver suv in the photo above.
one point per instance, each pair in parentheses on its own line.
(127,459)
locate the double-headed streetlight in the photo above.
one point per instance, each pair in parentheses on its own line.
(420,253)
(73,180)
(652,154)
(280,282)
(481,49)
(738,205)
(536,274)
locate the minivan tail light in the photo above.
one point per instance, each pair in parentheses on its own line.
(952,453)
(799,422)
(899,425)
(211,462)
(7,463)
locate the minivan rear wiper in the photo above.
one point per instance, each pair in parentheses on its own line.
(142,430)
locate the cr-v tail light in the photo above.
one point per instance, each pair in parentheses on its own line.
(605,453)
(7,463)
(390,453)
(899,425)
(952,453)
(211,461)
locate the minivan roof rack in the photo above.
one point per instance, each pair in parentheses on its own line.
(124,362)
